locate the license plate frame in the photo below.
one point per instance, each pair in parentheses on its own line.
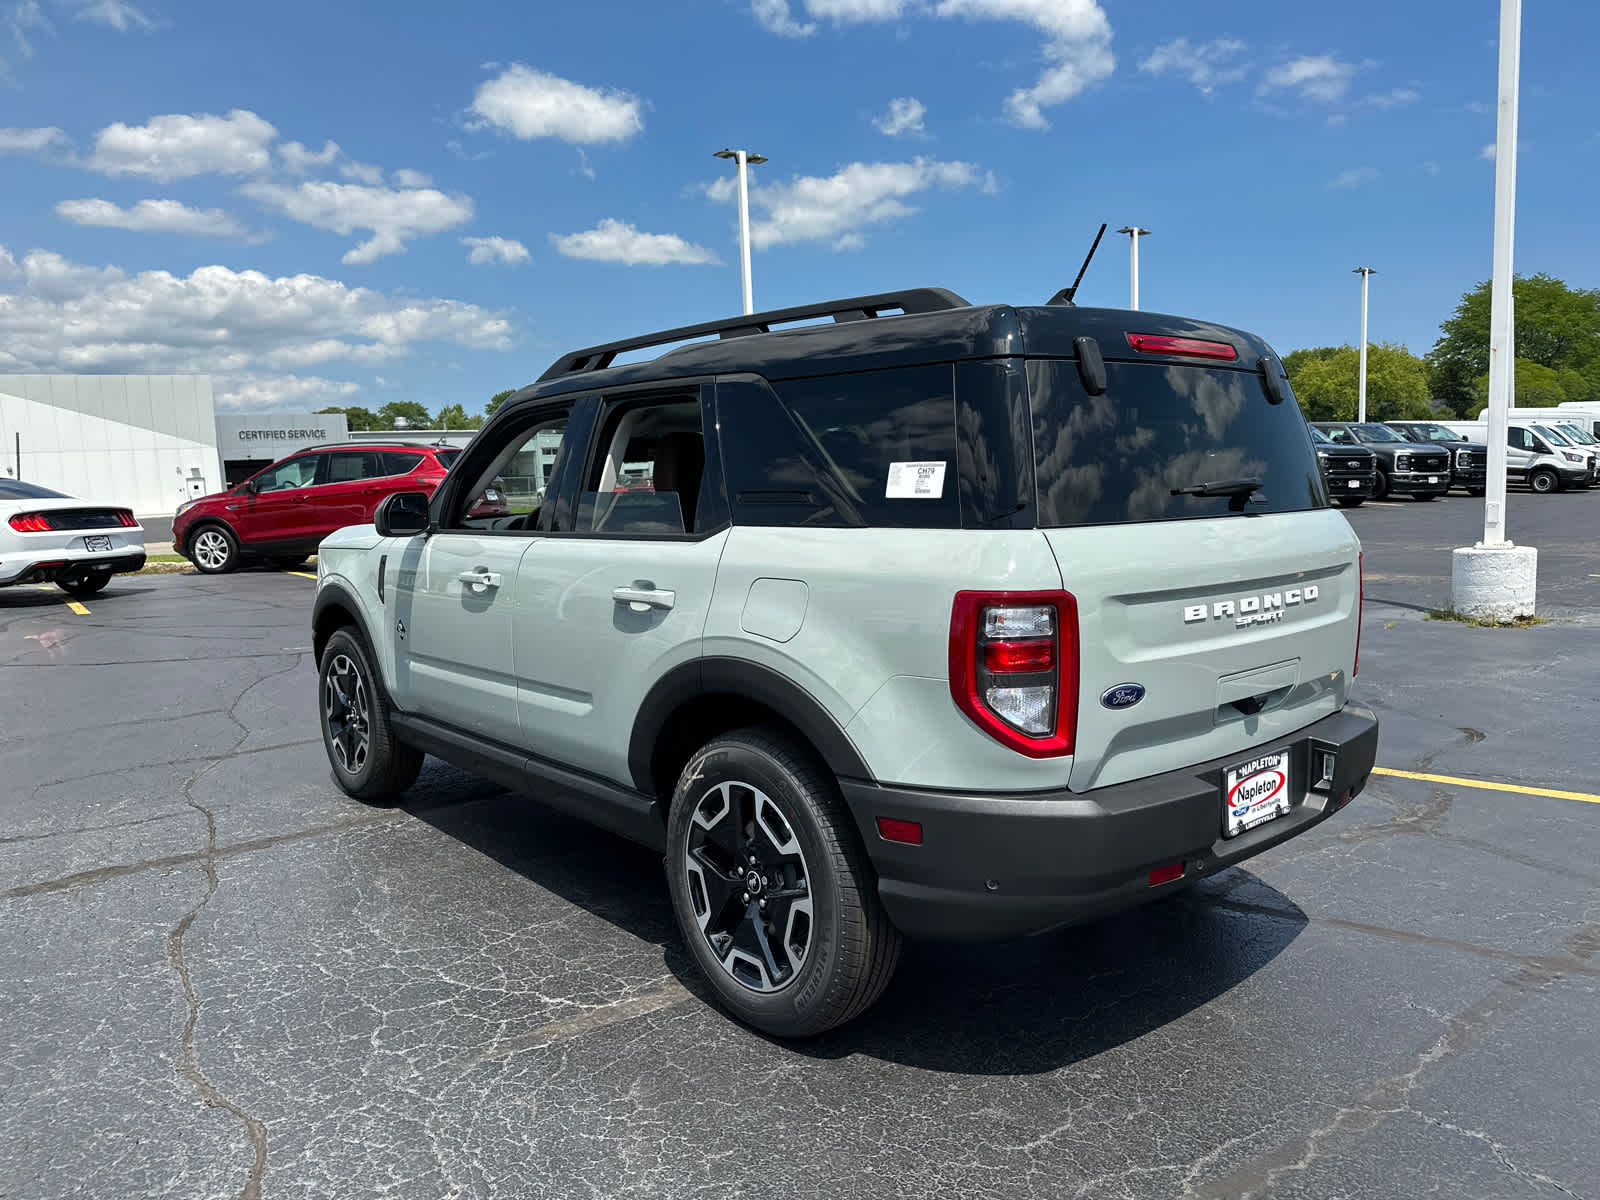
(98,543)
(1246,807)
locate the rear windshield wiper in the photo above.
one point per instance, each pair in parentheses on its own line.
(1238,491)
(1220,487)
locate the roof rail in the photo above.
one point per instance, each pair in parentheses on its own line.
(855,308)
(356,442)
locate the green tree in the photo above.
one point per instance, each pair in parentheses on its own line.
(1556,327)
(415,414)
(495,401)
(1533,386)
(356,418)
(1326,381)
(455,417)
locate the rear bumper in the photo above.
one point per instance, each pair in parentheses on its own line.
(998,866)
(66,565)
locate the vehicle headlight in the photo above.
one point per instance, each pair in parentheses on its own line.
(1571,457)
(185,507)
(1402,462)
(1322,458)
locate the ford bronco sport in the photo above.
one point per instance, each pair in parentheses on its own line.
(938,619)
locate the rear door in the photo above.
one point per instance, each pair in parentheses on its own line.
(1236,614)
(608,607)
(347,490)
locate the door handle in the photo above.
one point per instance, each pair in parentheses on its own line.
(643,596)
(480,579)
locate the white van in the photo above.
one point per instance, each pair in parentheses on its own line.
(1579,412)
(1533,455)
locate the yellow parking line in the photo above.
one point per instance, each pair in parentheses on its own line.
(1489,785)
(302,574)
(77,608)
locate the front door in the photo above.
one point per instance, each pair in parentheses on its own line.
(455,593)
(278,508)
(606,609)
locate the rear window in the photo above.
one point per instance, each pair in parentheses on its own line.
(1158,429)
(446,457)
(15,489)
(398,462)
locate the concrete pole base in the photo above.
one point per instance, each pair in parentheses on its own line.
(1494,582)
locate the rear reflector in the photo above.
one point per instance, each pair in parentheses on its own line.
(1166,874)
(891,830)
(1155,343)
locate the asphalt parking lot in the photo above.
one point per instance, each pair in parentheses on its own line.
(221,977)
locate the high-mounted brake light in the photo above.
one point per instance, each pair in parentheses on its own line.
(1155,343)
(1014,667)
(31,523)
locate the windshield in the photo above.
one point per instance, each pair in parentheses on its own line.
(1374,434)
(15,489)
(1550,434)
(1165,443)
(1579,434)
(1424,431)
(1320,438)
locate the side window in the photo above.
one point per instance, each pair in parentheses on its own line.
(398,462)
(871,448)
(291,473)
(350,466)
(1519,439)
(648,472)
(1342,436)
(508,491)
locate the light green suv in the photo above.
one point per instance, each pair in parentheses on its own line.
(938,620)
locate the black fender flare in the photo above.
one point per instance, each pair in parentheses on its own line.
(739,677)
(329,595)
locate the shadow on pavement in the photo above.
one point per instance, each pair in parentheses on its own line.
(1013,1008)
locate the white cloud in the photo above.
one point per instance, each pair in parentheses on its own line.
(178,146)
(118,14)
(1482,107)
(1354,177)
(1207,65)
(904,116)
(246,391)
(836,207)
(1394,98)
(1077,38)
(8,265)
(27,15)
(153,216)
(495,249)
(298,160)
(1320,78)
(532,104)
(363,173)
(30,141)
(394,217)
(238,325)
(774,16)
(1489,152)
(617,241)
(405,177)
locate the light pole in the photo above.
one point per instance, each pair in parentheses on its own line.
(1496,578)
(745,160)
(1134,234)
(1361,407)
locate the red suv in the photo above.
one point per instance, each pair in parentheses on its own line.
(280,513)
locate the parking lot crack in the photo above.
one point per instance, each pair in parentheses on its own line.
(1499,1152)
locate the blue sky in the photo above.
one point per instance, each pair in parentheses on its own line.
(355,203)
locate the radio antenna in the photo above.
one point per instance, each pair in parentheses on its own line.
(1065,295)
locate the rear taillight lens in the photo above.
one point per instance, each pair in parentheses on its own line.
(125,518)
(1361,607)
(30,523)
(1014,667)
(1155,343)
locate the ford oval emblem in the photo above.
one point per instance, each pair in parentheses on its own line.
(1124,695)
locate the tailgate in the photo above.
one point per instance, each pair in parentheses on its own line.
(1240,630)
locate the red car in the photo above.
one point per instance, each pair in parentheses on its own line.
(280,513)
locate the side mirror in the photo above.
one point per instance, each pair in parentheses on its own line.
(248,488)
(402,514)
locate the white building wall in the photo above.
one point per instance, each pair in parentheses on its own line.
(146,442)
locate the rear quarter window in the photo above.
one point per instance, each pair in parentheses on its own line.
(1118,457)
(399,462)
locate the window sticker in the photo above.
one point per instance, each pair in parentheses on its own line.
(915,481)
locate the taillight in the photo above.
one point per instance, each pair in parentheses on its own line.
(125,518)
(1155,343)
(1361,606)
(31,523)
(1014,667)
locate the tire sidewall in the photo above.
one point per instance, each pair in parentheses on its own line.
(233,549)
(793,1006)
(1382,489)
(88,584)
(1548,480)
(344,642)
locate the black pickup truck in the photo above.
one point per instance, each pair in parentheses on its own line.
(1350,473)
(1416,469)
(1469,461)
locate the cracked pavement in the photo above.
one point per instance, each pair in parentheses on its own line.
(220,977)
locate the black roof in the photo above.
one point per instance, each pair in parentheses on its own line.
(932,325)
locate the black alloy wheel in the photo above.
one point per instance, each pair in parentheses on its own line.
(367,761)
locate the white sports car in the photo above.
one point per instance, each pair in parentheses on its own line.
(46,537)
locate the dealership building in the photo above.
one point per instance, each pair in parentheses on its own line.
(150,442)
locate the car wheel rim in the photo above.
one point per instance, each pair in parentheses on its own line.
(344,709)
(749,886)
(211,549)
